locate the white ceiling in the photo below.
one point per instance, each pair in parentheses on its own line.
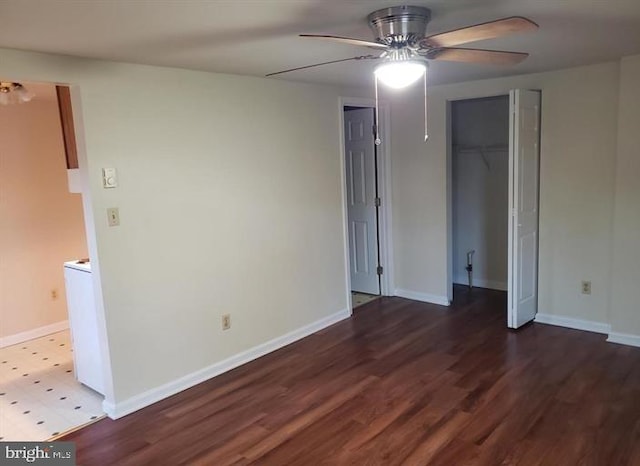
(255,37)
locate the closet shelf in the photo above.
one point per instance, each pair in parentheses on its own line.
(488,148)
(482,150)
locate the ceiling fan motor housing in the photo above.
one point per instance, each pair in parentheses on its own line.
(400,26)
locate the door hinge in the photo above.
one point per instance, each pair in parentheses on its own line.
(377,201)
(374,130)
(379,270)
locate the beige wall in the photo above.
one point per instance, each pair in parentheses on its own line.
(230,201)
(42,224)
(625,307)
(578,147)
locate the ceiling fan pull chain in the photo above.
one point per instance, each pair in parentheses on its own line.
(426,132)
(377,122)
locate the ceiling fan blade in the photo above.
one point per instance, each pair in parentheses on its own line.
(491,57)
(490,30)
(362,57)
(347,40)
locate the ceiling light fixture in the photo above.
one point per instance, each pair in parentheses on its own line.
(14,93)
(400,74)
(400,34)
(400,70)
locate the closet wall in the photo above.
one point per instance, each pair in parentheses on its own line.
(480,159)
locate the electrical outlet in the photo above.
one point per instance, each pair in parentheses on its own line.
(586,287)
(54,294)
(226,322)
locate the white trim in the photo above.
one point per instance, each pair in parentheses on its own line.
(482,283)
(424,297)
(128,406)
(449,135)
(92,240)
(571,322)
(345,219)
(74,180)
(384,186)
(624,339)
(34,333)
(589,326)
(385,190)
(511,305)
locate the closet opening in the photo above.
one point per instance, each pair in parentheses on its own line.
(480,192)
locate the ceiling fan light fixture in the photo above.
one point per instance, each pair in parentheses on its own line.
(14,93)
(400,74)
(401,31)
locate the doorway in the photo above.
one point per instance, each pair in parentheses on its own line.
(362,200)
(480,191)
(44,231)
(493,184)
(367,208)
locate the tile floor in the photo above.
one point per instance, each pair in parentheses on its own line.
(39,395)
(358,299)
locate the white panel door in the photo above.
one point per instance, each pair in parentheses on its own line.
(361,195)
(524,163)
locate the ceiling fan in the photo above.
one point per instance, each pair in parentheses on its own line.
(400,35)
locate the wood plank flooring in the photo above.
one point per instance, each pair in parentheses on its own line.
(401,382)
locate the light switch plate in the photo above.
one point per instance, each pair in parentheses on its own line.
(109,178)
(113,216)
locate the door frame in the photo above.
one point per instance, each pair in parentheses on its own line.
(92,246)
(449,143)
(384,190)
(84,181)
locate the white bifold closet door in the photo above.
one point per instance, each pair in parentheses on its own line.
(524,163)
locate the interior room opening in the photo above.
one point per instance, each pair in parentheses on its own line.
(480,193)
(363,204)
(51,371)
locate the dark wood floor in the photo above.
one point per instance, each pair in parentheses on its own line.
(400,383)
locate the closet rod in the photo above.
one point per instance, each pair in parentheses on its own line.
(493,148)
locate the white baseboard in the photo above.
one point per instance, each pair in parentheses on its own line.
(570,322)
(482,283)
(624,339)
(128,406)
(424,297)
(589,326)
(35,333)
